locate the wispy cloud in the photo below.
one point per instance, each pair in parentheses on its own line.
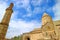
(21,3)
(56,10)
(3,6)
(37,10)
(36,2)
(18,27)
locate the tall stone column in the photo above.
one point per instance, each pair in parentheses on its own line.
(5,22)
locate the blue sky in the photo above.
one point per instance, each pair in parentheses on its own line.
(28,13)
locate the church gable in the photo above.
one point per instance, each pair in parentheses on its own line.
(48,31)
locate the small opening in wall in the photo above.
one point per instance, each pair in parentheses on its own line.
(28,38)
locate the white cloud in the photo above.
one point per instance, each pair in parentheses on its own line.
(37,10)
(27,15)
(56,10)
(3,6)
(30,13)
(36,2)
(26,4)
(18,27)
(21,3)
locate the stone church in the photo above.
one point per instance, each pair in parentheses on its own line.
(5,22)
(50,30)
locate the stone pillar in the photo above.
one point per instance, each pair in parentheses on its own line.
(7,15)
(5,22)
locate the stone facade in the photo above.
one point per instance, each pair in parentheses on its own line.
(50,30)
(5,22)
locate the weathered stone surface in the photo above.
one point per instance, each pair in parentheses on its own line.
(5,22)
(50,30)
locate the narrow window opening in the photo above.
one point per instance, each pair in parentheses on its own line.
(28,38)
